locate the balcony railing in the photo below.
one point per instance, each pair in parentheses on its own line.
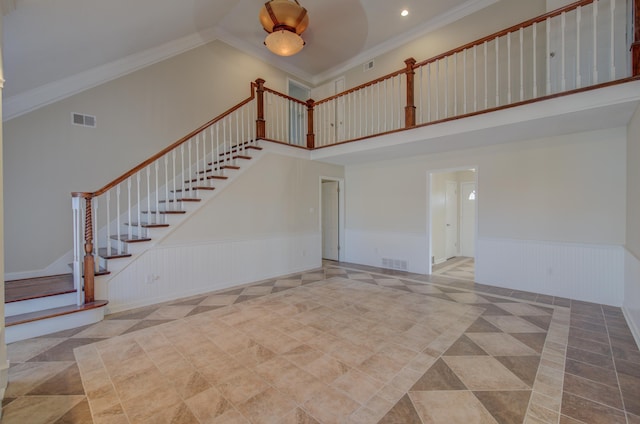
(580,46)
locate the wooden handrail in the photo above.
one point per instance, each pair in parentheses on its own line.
(166,150)
(513,28)
(361,86)
(277,93)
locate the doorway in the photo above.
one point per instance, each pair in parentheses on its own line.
(332,218)
(452,222)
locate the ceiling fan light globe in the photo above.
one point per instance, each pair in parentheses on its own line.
(284,43)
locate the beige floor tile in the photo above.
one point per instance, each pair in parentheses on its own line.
(484,373)
(522,309)
(436,407)
(170,312)
(24,350)
(25,377)
(513,324)
(501,344)
(331,406)
(38,409)
(358,386)
(270,406)
(241,385)
(107,328)
(209,405)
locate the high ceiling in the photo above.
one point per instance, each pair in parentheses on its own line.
(48,41)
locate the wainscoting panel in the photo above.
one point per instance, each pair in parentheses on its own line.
(370,248)
(631,306)
(164,273)
(592,273)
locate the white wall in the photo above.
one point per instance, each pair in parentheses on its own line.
(567,190)
(631,305)
(137,115)
(264,224)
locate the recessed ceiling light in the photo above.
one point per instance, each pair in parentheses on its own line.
(405,12)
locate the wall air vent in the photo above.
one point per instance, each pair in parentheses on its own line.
(83,120)
(398,264)
(367,66)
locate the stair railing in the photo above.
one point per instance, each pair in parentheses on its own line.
(106,222)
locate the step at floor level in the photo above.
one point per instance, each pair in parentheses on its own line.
(34,288)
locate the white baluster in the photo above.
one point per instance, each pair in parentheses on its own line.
(486,77)
(521,64)
(385,105)
(535,60)
(379,105)
(455,84)
(437,64)
(400,109)
(548,55)
(108,201)
(563,75)
(237,141)
(612,57)
(464,82)
(117,220)
(148,195)
(166,185)
(497,72)
(428,93)
(197,164)
(595,41)
(224,146)
(508,68)
(157,193)
(175,173)
(139,206)
(76,210)
(182,168)
(214,159)
(189,161)
(446,87)
(578,71)
(94,204)
(129,230)
(475,78)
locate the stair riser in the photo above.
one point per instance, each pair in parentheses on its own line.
(33,305)
(29,330)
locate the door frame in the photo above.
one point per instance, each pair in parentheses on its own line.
(340,181)
(475,212)
(429,223)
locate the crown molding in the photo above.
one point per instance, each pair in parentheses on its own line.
(38,97)
(431,25)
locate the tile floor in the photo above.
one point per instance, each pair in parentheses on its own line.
(459,267)
(342,344)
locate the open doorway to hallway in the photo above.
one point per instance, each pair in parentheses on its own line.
(452,222)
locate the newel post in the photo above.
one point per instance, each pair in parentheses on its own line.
(410,108)
(635,46)
(311,137)
(260,122)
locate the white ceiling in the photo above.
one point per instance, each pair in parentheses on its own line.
(49,44)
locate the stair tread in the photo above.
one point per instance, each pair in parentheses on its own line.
(253,147)
(184,199)
(103,252)
(52,313)
(209,177)
(146,225)
(129,239)
(242,157)
(35,288)
(193,188)
(230,167)
(166,212)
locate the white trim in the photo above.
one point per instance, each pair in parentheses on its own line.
(38,97)
(635,330)
(32,329)
(438,22)
(341,239)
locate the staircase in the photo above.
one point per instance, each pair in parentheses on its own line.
(44,305)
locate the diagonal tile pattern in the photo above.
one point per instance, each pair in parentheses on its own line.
(345,343)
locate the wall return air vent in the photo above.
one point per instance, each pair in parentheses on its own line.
(83,120)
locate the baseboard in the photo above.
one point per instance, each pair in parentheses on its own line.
(439,261)
(635,331)
(58,267)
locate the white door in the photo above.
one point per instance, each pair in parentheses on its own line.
(330,231)
(468,219)
(451,219)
